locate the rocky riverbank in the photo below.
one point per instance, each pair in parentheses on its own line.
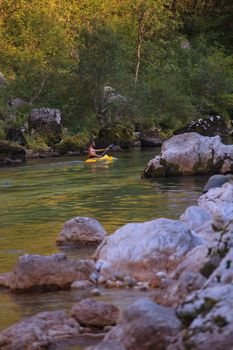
(185,263)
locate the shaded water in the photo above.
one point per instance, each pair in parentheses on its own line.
(36,200)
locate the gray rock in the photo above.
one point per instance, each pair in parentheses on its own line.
(82,285)
(145,326)
(217,181)
(47,122)
(81,231)
(93,313)
(36,272)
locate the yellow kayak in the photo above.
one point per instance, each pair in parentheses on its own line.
(105,158)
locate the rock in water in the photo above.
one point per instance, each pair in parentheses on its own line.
(217,181)
(81,231)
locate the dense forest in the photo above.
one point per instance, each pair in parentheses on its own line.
(166,61)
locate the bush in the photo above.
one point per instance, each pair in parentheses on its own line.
(73,143)
(36,143)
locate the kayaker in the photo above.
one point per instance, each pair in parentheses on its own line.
(92,151)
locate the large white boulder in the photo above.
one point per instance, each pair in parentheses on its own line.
(191,154)
(142,249)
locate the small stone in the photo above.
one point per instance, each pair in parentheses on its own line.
(143,286)
(96,292)
(129,281)
(161,274)
(110,284)
(81,285)
(119,284)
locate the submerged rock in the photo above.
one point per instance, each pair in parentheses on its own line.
(36,272)
(81,231)
(93,313)
(39,331)
(140,250)
(191,154)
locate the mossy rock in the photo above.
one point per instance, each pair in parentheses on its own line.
(165,170)
(10,152)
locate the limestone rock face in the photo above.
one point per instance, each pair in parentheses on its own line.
(90,312)
(81,231)
(191,154)
(224,272)
(208,318)
(144,325)
(36,272)
(196,217)
(39,331)
(142,249)
(218,202)
(47,122)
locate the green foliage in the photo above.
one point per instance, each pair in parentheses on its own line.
(121,133)
(172,61)
(2,130)
(73,143)
(36,143)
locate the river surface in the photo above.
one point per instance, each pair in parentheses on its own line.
(36,200)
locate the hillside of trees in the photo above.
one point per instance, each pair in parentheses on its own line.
(171,61)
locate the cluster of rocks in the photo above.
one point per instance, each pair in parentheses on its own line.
(87,318)
(188,263)
(191,306)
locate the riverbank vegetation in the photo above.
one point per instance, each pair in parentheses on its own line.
(148,64)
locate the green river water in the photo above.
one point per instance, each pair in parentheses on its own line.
(36,200)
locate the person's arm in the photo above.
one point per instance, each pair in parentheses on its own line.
(100,149)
